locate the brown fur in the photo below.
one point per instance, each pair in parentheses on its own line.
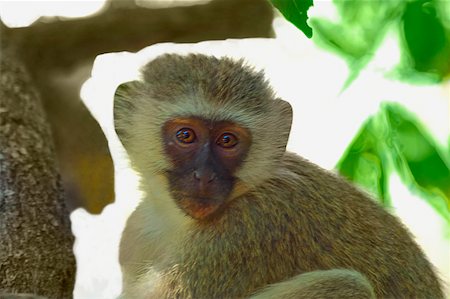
(287,219)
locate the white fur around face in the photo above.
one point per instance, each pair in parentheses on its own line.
(153,233)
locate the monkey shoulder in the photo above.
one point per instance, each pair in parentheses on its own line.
(333,224)
(326,200)
(324,211)
(303,184)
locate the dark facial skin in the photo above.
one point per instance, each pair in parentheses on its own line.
(205,157)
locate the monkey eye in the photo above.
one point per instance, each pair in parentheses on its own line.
(186,135)
(227,140)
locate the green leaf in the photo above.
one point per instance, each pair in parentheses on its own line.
(419,161)
(359,33)
(391,140)
(364,162)
(296,12)
(425,39)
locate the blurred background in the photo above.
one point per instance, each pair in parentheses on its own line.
(369,82)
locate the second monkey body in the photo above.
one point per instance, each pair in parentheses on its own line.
(228,213)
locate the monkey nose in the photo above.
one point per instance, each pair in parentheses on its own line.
(204,176)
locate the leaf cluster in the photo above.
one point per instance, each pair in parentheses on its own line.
(393,139)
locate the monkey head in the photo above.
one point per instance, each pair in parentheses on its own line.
(212,128)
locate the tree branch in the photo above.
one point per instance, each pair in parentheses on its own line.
(36,241)
(66,43)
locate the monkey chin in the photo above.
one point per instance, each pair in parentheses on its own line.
(201,208)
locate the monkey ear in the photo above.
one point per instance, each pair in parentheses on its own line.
(285,119)
(123,108)
(286,111)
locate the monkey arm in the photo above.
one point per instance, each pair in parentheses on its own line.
(336,283)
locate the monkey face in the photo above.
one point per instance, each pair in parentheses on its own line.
(205,156)
(204,162)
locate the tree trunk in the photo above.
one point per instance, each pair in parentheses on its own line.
(35,237)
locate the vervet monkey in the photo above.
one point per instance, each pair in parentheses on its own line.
(228,213)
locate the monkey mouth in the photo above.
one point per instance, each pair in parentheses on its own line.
(200,208)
